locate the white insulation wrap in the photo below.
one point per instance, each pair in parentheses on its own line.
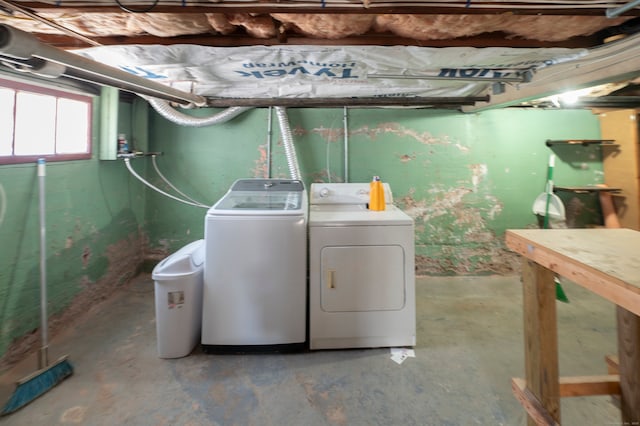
(326,72)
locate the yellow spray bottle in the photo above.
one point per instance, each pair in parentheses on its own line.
(376,195)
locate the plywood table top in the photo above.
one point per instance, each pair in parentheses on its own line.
(606,261)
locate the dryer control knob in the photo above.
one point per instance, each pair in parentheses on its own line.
(324,192)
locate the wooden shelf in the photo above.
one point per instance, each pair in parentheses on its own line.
(622,169)
(583,142)
(585,189)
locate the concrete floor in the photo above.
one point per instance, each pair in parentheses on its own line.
(469,346)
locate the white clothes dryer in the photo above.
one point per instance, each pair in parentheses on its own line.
(255,286)
(361,270)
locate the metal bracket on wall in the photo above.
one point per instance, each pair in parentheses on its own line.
(583,142)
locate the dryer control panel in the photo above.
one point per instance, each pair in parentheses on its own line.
(345,193)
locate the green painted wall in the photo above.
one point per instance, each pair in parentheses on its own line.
(95,218)
(463,178)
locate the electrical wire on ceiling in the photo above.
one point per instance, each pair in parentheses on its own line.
(371,5)
(128,9)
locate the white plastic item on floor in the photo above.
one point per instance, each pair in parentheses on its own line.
(178,289)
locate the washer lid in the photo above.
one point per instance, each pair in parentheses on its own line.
(356,215)
(260,203)
(267,185)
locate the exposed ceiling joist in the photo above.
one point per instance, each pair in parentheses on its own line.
(226,23)
(497,39)
(430,7)
(526,24)
(365,102)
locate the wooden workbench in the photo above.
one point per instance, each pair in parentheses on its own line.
(605,261)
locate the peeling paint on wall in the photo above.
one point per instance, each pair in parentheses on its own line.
(92,207)
(478,172)
(331,135)
(464,178)
(123,260)
(325,176)
(400,131)
(262,163)
(86,255)
(405,158)
(483,259)
(443,202)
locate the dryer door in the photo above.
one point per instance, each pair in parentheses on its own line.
(362,278)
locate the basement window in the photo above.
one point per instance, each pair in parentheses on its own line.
(38,122)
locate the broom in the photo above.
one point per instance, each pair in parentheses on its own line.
(560,294)
(47,375)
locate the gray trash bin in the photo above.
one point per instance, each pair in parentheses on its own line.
(178,289)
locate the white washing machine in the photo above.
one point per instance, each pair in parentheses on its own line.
(361,270)
(255,282)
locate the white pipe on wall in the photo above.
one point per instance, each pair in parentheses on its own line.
(345,122)
(269,139)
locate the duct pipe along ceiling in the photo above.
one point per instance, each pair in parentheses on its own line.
(25,51)
(167,111)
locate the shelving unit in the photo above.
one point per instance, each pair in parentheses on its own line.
(586,189)
(583,142)
(610,147)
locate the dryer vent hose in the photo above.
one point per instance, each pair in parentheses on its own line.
(287,141)
(167,111)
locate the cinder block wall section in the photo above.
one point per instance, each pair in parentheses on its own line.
(94,240)
(463,178)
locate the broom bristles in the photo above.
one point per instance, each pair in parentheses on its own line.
(37,384)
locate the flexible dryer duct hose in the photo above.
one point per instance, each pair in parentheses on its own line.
(287,141)
(167,111)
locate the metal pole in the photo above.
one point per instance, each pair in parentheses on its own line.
(269,139)
(612,13)
(22,45)
(43,359)
(345,121)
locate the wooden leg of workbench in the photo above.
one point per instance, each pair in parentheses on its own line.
(629,365)
(541,337)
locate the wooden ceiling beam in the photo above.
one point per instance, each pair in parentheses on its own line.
(369,102)
(259,7)
(374,39)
